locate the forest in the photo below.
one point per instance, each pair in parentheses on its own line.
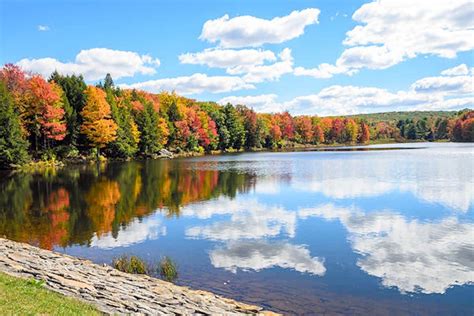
(63,118)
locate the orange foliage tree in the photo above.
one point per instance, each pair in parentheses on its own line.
(97,124)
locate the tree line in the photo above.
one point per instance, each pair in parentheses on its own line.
(64,117)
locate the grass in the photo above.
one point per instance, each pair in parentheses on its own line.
(167,268)
(132,264)
(29,297)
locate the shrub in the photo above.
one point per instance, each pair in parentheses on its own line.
(168,269)
(132,264)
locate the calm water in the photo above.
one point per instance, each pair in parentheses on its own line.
(379,231)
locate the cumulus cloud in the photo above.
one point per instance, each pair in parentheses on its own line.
(258,255)
(250,31)
(445,84)
(392,31)
(228,58)
(261,73)
(43,28)
(135,232)
(250,64)
(411,255)
(95,63)
(460,70)
(265,103)
(194,84)
(431,93)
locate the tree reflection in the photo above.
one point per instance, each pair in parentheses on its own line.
(74,204)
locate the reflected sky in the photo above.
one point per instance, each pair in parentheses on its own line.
(389,229)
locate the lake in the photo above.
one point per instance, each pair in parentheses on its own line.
(342,231)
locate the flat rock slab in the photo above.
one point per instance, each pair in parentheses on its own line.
(112,291)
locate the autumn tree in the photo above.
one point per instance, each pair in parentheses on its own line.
(318,134)
(97,125)
(287,125)
(364,133)
(45,113)
(304,129)
(351,130)
(13,146)
(52,120)
(216,113)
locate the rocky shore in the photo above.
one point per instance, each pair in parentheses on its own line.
(112,291)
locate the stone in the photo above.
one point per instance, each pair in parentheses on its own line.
(113,291)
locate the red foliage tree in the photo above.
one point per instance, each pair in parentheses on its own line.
(364,136)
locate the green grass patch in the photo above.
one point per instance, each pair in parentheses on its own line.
(29,297)
(168,269)
(132,264)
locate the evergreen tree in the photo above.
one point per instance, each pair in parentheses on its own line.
(235,127)
(13,147)
(73,87)
(125,144)
(108,82)
(148,121)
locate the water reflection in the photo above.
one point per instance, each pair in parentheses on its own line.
(443,175)
(249,219)
(259,254)
(411,255)
(103,206)
(294,226)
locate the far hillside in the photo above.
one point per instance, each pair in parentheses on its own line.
(407,115)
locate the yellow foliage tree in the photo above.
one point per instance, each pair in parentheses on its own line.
(98,125)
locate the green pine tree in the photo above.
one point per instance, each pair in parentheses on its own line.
(147,121)
(13,146)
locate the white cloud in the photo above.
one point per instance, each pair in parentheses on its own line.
(248,63)
(249,31)
(392,31)
(258,255)
(228,58)
(265,103)
(194,84)
(95,63)
(43,28)
(135,232)
(414,256)
(450,85)
(430,93)
(460,70)
(261,73)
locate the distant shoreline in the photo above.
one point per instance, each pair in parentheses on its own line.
(36,166)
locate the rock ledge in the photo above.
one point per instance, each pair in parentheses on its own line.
(112,291)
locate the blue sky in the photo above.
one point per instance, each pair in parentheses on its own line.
(309,57)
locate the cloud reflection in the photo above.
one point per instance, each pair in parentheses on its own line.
(257,255)
(249,219)
(414,256)
(136,232)
(436,175)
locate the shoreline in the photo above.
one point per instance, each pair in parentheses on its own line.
(112,291)
(35,166)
